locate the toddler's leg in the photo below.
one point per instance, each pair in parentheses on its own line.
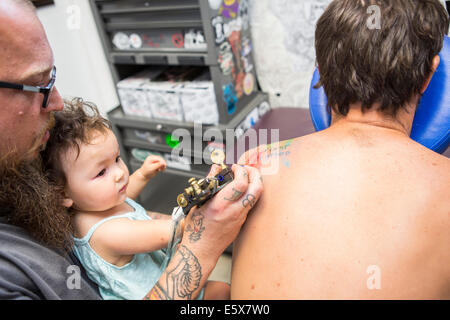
(217,290)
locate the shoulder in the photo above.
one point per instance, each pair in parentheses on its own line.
(266,154)
(434,170)
(439,184)
(429,178)
(84,221)
(17,242)
(30,270)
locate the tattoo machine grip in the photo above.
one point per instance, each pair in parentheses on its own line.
(204,189)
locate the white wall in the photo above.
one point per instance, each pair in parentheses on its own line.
(283,42)
(82,70)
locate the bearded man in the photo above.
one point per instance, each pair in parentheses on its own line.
(35,230)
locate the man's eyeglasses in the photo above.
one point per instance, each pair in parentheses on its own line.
(46,91)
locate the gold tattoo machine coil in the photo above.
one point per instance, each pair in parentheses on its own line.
(200,191)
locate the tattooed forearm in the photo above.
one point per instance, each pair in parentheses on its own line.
(195,228)
(185,277)
(182,279)
(249,200)
(236,195)
(157,293)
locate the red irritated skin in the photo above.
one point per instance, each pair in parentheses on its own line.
(266,157)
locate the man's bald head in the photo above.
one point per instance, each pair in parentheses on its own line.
(26,4)
(25,58)
(24,45)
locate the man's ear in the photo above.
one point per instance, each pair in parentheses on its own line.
(434,65)
(67,202)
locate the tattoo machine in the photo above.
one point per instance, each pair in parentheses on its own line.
(200,191)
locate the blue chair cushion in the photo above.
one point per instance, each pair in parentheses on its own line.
(431,126)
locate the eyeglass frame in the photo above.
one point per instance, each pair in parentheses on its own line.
(46,91)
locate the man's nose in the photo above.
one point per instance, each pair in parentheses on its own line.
(55,102)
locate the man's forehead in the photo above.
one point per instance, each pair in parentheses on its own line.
(24,48)
(35,72)
(25,70)
(17,20)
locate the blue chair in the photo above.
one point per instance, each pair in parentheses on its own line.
(431,126)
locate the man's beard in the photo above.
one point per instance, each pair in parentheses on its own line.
(30,201)
(37,145)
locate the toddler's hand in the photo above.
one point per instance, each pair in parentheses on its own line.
(152,165)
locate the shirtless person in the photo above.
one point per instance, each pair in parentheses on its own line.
(360,210)
(34,227)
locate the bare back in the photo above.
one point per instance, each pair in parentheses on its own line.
(354,212)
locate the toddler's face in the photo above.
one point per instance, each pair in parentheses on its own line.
(97,180)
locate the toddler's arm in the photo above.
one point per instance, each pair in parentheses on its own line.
(139,179)
(122,236)
(158,216)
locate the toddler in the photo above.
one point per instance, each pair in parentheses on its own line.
(117,241)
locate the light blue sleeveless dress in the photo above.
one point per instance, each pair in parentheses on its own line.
(131,281)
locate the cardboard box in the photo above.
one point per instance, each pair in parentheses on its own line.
(164,100)
(132,95)
(179,94)
(198,100)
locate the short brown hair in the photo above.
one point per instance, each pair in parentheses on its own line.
(387,65)
(74,125)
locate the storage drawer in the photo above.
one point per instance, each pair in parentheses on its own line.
(136,6)
(157,37)
(166,142)
(190,166)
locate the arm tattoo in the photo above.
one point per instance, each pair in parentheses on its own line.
(236,195)
(157,293)
(196,228)
(181,280)
(185,277)
(249,200)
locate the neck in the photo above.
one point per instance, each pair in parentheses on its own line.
(401,123)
